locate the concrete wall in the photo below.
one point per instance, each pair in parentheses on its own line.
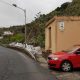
(61,40)
(70,36)
(53,37)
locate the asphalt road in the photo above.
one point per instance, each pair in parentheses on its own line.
(17,66)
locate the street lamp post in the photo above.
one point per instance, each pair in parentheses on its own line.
(24,10)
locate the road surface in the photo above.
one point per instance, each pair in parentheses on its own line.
(17,66)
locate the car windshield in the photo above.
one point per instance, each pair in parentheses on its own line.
(70,50)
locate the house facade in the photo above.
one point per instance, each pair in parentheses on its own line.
(62,32)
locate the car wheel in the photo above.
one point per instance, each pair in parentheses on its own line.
(66,66)
(49,67)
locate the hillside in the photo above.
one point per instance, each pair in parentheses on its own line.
(36,29)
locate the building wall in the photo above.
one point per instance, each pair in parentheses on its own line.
(50,44)
(61,40)
(70,36)
(54,36)
(46,38)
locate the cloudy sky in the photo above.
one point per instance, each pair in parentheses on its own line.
(9,15)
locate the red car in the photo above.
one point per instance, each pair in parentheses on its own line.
(65,60)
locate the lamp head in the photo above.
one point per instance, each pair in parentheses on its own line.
(14,5)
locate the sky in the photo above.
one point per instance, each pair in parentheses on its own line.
(10,15)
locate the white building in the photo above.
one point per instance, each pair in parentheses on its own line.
(7,33)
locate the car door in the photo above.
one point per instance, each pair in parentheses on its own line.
(77,58)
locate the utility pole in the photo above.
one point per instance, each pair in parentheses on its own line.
(25,20)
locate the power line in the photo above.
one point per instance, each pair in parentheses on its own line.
(5,2)
(11,4)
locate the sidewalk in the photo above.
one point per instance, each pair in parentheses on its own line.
(42,61)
